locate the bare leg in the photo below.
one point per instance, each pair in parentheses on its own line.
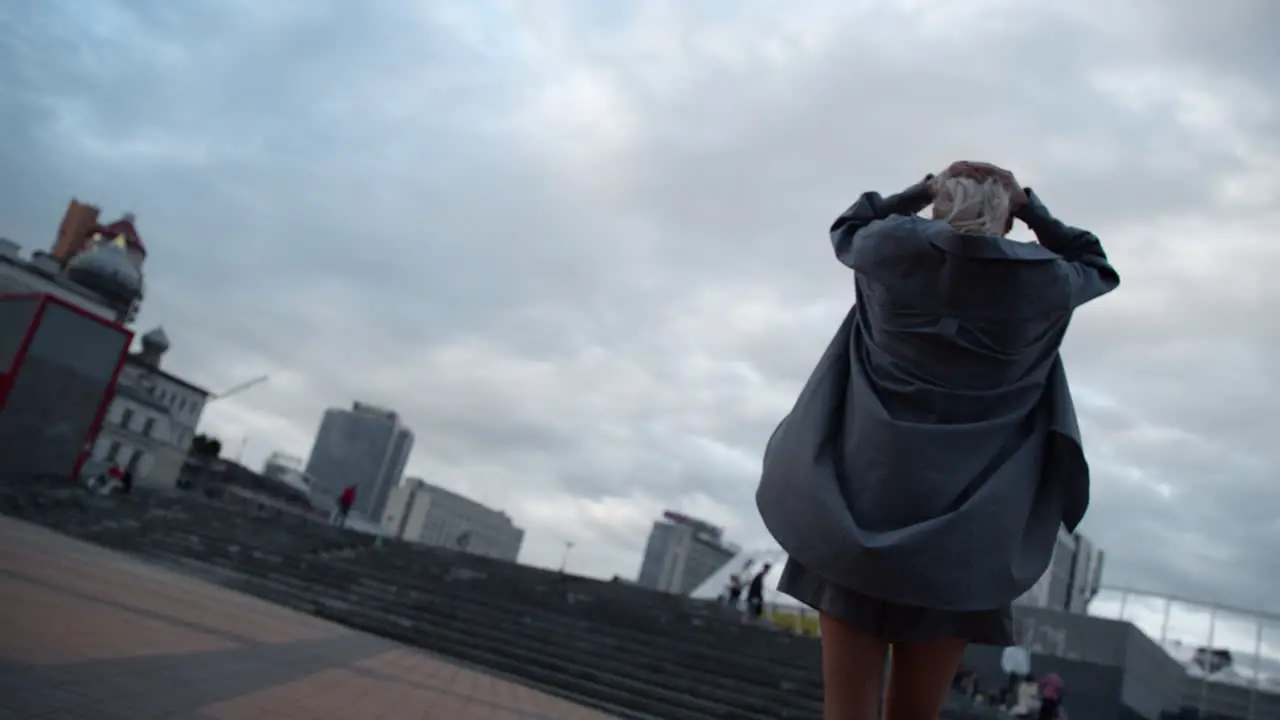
(852,671)
(919,678)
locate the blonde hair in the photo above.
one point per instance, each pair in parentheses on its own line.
(972,206)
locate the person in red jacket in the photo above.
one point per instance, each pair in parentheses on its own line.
(345,501)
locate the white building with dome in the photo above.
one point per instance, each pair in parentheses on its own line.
(152,417)
(93,281)
(151,420)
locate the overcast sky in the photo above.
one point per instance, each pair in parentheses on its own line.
(581,246)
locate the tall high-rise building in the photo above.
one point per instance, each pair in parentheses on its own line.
(1072,579)
(681,553)
(365,446)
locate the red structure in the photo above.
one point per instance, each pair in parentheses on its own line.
(58,370)
(80,228)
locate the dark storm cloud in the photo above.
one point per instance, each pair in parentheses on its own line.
(584,252)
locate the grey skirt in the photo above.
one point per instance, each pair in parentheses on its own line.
(892,622)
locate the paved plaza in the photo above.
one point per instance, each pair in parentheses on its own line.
(88,633)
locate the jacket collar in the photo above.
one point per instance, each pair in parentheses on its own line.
(984,247)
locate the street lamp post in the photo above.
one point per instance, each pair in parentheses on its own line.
(237,389)
(564,561)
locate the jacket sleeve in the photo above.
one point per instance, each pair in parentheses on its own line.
(871,207)
(1089,274)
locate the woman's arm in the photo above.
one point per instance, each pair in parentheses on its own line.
(871,207)
(1089,274)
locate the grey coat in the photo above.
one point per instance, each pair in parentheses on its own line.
(934,452)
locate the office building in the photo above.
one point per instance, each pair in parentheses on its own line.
(682,553)
(1072,579)
(420,512)
(152,418)
(365,446)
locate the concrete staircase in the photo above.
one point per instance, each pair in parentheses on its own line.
(630,652)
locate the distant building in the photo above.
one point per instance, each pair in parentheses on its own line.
(80,228)
(77,225)
(682,553)
(92,266)
(152,417)
(287,469)
(279,464)
(365,446)
(95,272)
(233,483)
(405,515)
(1072,579)
(101,280)
(420,512)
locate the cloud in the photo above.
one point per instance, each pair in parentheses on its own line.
(582,248)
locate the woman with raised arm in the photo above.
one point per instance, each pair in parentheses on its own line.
(919,482)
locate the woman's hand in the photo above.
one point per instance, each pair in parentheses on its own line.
(931,185)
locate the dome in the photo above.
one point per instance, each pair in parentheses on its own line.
(105,268)
(156,339)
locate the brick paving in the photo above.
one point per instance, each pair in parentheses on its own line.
(89,633)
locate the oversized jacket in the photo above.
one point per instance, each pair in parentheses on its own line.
(934,452)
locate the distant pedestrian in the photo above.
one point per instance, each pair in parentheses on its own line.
(755,595)
(735,591)
(345,501)
(1026,699)
(107,482)
(1050,696)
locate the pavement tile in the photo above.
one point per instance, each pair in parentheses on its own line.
(54,628)
(92,634)
(141,588)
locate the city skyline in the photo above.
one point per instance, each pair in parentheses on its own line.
(583,251)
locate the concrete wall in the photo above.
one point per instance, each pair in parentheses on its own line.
(1092,691)
(1224,700)
(1111,669)
(1153,679)
(1072,635)
(165,468)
